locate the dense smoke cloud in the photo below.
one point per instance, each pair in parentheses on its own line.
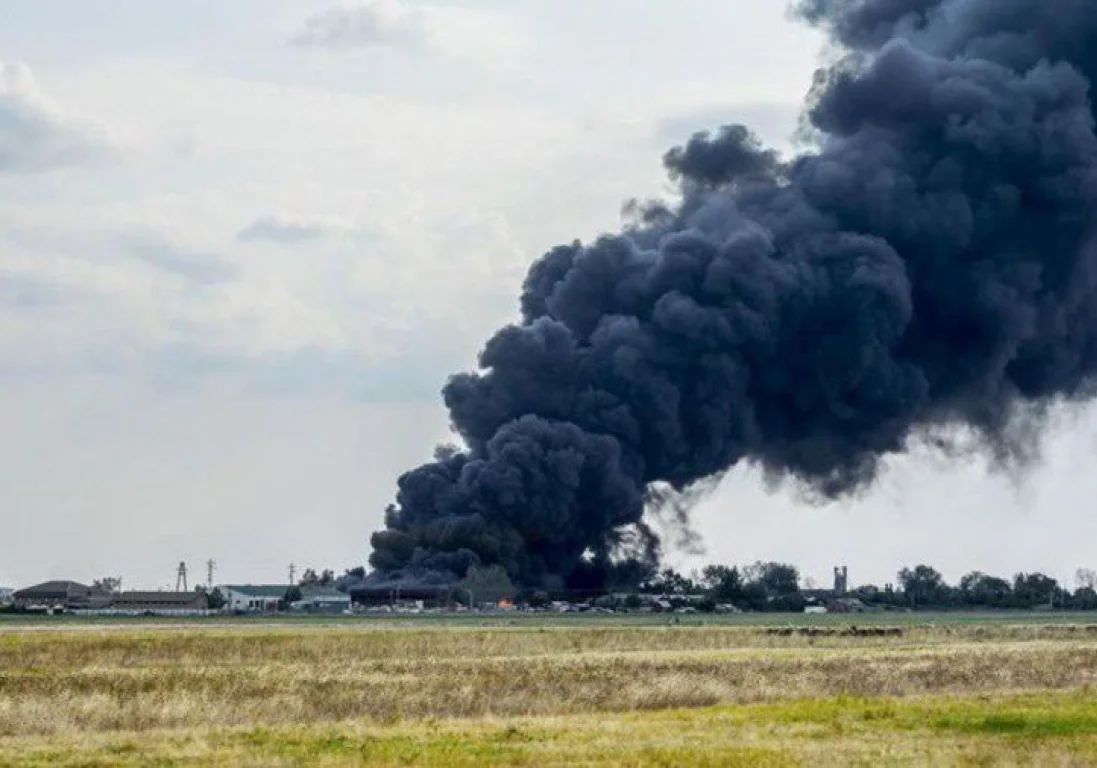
(930,264)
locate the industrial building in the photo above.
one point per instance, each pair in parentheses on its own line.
(264,598)
(322,600)
(421,595)
(162,603)
(61,595)
(253,597)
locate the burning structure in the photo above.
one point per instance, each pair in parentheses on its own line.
(925,273)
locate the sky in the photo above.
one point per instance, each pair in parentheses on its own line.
(242,245)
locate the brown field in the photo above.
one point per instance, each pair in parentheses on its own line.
(358,693)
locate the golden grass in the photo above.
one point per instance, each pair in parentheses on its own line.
(1050,729)
(618,695)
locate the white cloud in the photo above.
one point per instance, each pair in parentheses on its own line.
(290,230)
(36,134)
(200,267)
(20,291)
(459,32)
(380,22)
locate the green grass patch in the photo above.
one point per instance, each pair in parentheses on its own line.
(1035,729)
(1028,729)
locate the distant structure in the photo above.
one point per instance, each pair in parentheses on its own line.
(292,574)
(181,578)
(211,566)
(269,598)
(158,603)
(841,580)
(61,595)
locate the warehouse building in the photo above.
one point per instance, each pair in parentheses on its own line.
(260,598)
(159,603)
(61,595)
(322,600)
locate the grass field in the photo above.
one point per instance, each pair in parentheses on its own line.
(933,690)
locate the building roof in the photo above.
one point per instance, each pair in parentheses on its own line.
(257,590)
(52,590)
(323,593)
(159,598)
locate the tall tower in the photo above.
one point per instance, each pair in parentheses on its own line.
(841,579)
(211,566)
(292,574)
(181,579)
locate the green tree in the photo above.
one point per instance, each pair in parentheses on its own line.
(670,582)
(722,584)
(293,594)
(777,579)
(977,588)
(112,584)
(1085,578)
(215,601)
(310,578)
(1035,589)
(1084,599)
(923,586)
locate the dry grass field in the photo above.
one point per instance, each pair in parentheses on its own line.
(540,694)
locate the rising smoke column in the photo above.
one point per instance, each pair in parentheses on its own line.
(930,264)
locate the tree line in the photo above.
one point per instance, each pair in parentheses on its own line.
(771,586)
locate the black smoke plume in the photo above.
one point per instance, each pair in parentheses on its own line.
(928,267)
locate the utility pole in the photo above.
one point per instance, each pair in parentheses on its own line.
(292,574)
(211,566)
(181,578)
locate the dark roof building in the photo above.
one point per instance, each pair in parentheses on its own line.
(157,602)
(62,594)
(433,594)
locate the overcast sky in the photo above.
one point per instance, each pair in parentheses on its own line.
(243,243)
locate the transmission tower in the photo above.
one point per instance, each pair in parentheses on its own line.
(211,566)
(292,574)
(181,578)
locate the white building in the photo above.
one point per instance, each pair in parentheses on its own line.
(265,598)
(260,598)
